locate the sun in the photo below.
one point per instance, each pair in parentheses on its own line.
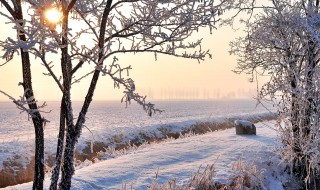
(53,15)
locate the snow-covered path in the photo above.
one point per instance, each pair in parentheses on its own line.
(176,158)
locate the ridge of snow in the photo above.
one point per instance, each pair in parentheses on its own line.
(179,158)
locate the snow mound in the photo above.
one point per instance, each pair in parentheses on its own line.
(244,123)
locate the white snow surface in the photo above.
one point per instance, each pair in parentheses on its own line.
(108,118)
(244,123)
(179,158)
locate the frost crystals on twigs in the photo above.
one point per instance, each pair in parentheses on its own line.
(116,72)
(22,103)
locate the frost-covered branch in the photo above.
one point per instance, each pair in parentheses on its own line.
(116,72)
(49,66)
(84,76)
(22,103)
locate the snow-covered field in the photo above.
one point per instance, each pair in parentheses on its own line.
(179,158)
(109,118)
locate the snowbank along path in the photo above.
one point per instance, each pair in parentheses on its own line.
(177,159)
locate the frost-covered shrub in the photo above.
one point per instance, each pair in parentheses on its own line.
(283,42)
(246,176)
(200,180)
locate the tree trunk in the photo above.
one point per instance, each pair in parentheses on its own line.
(60,147)
(66,67)
(309,112)
(73,132)
(36,117)
(295,109)
(297,165)
(68,163)
(309,108)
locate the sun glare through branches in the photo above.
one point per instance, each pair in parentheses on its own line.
(53,15)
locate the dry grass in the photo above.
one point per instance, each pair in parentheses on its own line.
(245,177)
(199,181)
(14,172)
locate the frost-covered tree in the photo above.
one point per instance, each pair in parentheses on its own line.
(282,41)
(95,33)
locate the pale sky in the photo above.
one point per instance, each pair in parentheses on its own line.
(167,78)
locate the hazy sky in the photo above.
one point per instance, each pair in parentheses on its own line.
(167,78)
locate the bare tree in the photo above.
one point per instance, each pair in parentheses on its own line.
(115,27)
(16,16)
(282,42)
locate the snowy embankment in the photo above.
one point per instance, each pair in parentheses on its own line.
(179,158)
(16,156)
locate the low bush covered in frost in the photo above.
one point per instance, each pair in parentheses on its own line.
(245,176)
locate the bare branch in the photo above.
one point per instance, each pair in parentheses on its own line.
(9,8)
(70,6)
(48,67)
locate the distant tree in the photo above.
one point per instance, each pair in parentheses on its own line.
(109,28)
(283,42)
